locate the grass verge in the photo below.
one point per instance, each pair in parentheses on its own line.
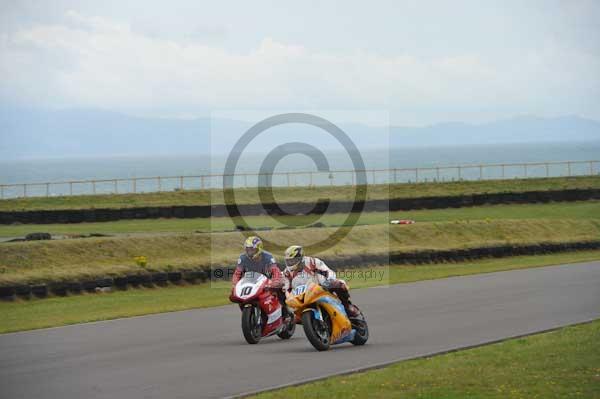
(302,194)
(558,364)
(39,313)
(42,261)
(565,210)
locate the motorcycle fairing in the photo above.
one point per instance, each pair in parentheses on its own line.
(340,324)
(270,306)
(317,300)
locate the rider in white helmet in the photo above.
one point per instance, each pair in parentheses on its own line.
(296,262)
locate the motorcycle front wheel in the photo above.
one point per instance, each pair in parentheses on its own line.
(251,324)
(316,331)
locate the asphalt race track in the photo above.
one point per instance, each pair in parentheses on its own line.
(201,353)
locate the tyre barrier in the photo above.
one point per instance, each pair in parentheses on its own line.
(59,288)
(146,280)
(207,211)
(104,282)
(7,292)
(348,262)
(75,287)
(159,278)
(133,279)
(459,255)
(120,282)
(89,286)
(174,277)
(23,290)
(195,276)
(39,291)
(38,236)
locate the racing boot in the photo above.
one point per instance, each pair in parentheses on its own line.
(351,309)
(286,313)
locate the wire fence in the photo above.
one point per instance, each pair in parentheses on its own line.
(301,179)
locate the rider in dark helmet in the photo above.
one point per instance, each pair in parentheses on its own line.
(296,262)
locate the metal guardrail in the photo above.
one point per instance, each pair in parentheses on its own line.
(302,179)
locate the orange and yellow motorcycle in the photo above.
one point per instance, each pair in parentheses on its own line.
(323,316)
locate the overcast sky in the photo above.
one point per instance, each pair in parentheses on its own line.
(424,62)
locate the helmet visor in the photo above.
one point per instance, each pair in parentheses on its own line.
(250,251)
(291,262)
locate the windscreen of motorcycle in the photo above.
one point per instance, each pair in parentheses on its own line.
(249,285)
(304,278)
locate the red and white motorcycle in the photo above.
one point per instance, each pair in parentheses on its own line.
(262,313)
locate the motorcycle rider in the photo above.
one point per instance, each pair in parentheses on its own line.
(256,259)
(297,263)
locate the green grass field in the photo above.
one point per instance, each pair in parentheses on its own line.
(42,261)
(39,313)
(251,196)
(566,210)
(559,364)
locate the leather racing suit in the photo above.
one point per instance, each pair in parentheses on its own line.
(265,264)
(326,277)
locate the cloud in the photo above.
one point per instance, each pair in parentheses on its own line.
(96,62)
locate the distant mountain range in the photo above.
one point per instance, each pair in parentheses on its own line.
(520,129)
(26,133)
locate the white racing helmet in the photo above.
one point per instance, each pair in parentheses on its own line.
(293,258)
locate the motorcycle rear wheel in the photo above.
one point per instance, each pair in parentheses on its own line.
(362,330)
(251,324)
(288,330)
